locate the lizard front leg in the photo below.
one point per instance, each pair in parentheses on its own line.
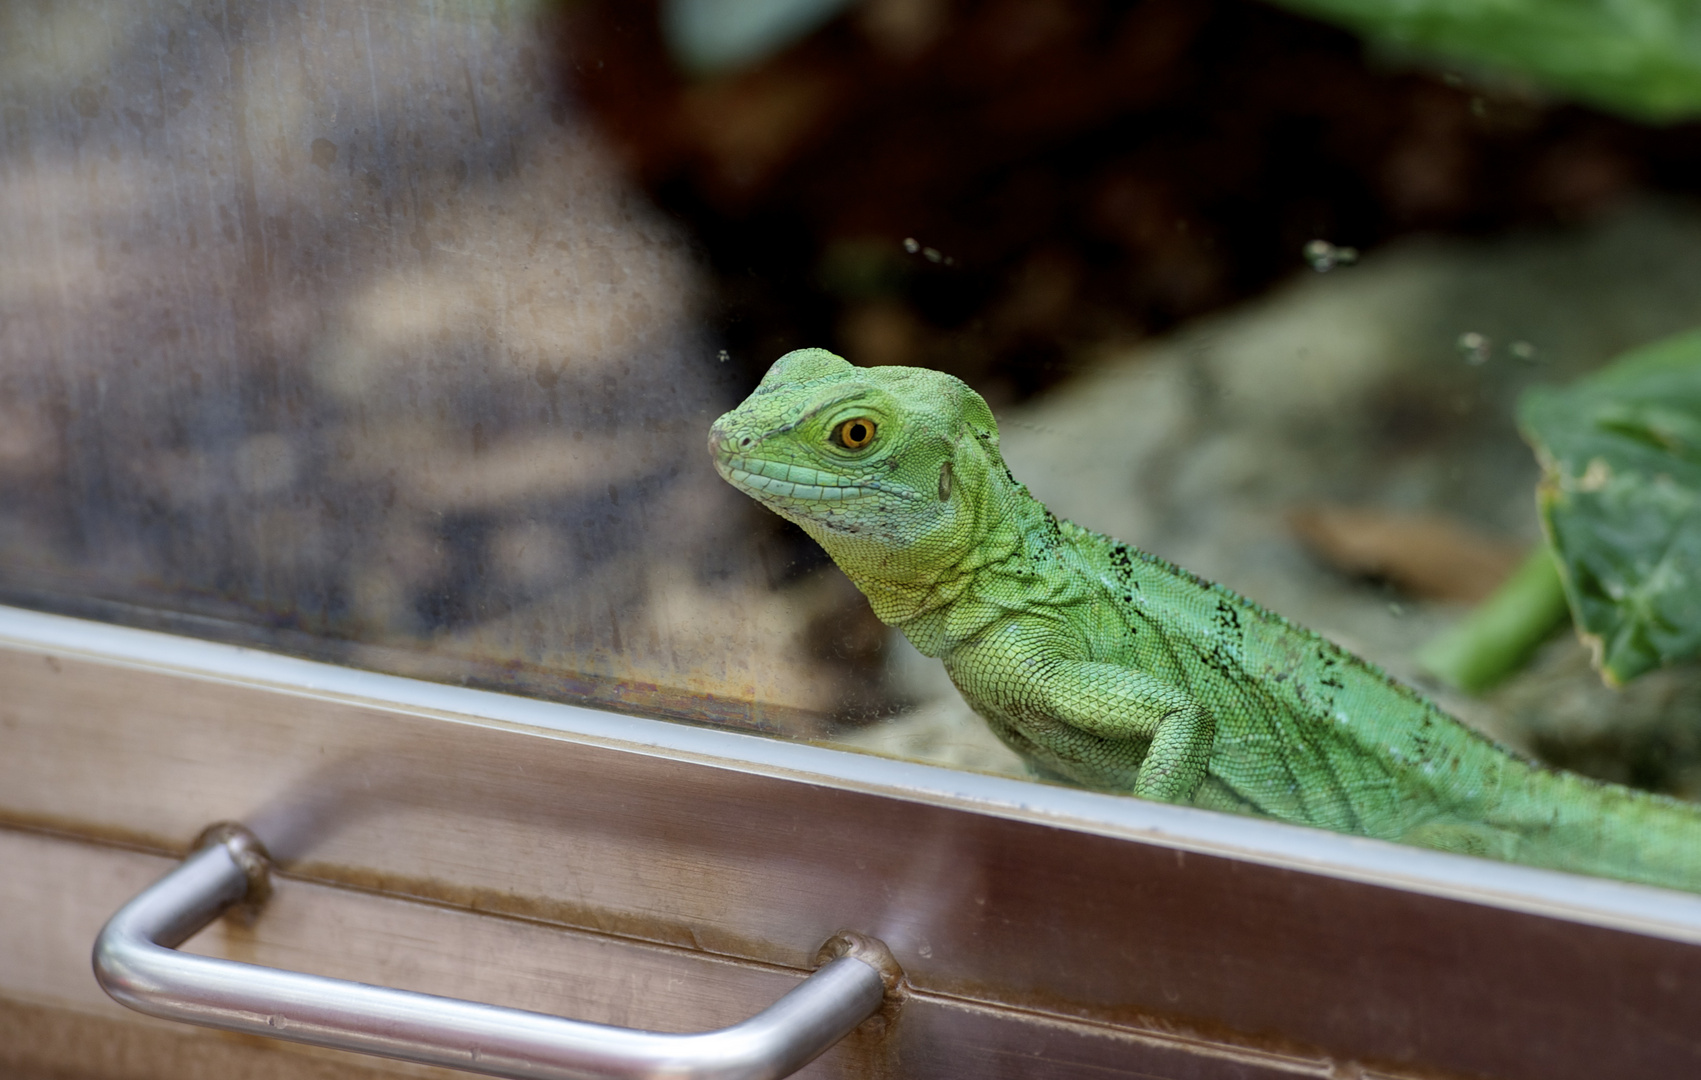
(1118,707)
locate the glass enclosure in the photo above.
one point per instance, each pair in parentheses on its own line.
(392,334)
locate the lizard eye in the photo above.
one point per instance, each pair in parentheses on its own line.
(854,434)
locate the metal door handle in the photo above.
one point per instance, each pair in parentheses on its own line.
(136,961)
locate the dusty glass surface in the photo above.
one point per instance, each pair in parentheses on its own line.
(336,329)
(391,334)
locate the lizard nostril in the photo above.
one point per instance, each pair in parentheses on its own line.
(744,441)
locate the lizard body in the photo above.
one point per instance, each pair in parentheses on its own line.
(1110,668)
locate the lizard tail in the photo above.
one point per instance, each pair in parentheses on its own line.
(1563,821)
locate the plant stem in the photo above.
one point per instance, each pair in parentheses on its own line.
(1502,633)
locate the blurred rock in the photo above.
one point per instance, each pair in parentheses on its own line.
(1425,556)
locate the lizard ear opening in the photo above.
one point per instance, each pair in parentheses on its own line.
(801,365)
(945,482)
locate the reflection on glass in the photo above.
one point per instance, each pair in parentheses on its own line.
(393,335)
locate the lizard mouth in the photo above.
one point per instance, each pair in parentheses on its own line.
(780,483)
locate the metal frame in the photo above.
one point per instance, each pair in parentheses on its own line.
(1592,901)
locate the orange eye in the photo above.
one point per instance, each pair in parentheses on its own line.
(855,434)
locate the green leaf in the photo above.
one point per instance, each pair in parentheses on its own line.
(1641,58)
(1620,499)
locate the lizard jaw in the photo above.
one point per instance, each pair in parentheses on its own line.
(800,491)
(775,481)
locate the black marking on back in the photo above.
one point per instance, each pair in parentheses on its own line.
(1228,619)
(1053,532)
(1215,656)
(1122,565)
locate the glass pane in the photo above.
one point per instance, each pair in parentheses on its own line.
(393,334)
(339,331)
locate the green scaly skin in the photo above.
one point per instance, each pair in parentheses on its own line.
(1110,668)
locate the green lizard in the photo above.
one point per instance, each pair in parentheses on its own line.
(1111,668)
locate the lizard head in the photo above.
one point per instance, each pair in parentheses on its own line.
(885,467)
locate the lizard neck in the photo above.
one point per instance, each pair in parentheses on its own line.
(922,584)
(961,599)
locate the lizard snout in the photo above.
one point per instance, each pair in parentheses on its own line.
(726,439)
